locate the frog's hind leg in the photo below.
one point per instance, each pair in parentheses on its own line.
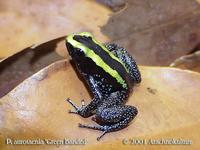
(112,119)
(127,59)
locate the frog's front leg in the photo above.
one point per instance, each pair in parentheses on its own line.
(84,111)
(88,110)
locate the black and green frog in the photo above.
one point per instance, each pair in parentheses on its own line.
(110,73)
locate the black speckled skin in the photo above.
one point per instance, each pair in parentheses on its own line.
(108,105)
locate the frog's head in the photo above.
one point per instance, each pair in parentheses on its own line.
(84,45)
(78,44)
(74,52)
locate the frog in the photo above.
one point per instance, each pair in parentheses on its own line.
(110,74)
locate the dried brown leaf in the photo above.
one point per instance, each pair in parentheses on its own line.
(23,23)
(37,109)
(156,32)
(190,62)
(16,68)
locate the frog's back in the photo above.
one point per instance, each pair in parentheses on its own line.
(102,79)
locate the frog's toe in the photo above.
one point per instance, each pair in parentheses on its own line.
(84,111)
(98,138)
(77,109)
(95,127)
(73,111)
(82,103)
(72,103)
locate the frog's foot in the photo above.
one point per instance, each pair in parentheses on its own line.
(84,111)
(112,119)
(77,109)
(105,129)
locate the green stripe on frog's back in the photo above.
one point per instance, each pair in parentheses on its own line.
(99,61)
(103,48)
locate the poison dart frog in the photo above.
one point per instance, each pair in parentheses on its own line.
(110,73)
